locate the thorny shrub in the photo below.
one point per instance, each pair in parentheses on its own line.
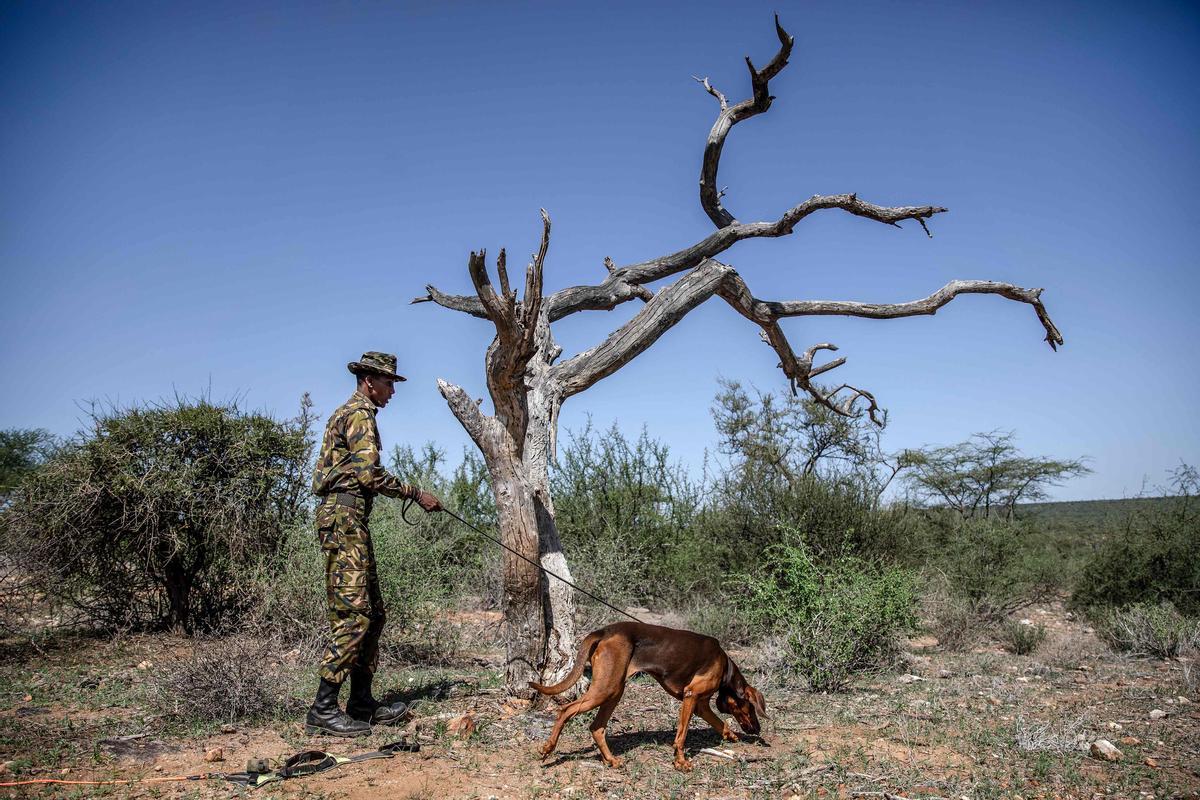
(1149,630)
(1021,638)
(234,679)
(148,518)
(835,619)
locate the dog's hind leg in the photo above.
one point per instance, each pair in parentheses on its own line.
(608,680)
(600,723)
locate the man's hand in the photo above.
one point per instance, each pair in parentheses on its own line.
(428,502)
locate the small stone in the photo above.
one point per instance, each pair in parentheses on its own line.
(1114,726)
(1183,701)
(158,768)
(1105,750)
(1130,740)
(65,771)
(144,665)
(1150,762)
(909,678)
(995,701)
(228,728)
(1023,679)
(945,673)
(215,754)
(1157,713)
(6,767)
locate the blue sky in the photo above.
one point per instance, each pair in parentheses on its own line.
(241,197)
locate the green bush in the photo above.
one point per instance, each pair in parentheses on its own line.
(1022,639)
(1149,630)
(835,618)
(1153,558)
(149,518)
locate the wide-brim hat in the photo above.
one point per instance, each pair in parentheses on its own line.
(376,363)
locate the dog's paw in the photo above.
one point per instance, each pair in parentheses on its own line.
(614,762)
(729,735)
(683,765)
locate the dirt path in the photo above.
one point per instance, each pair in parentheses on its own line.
(979,725)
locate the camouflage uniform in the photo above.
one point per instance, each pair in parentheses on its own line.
(347,478)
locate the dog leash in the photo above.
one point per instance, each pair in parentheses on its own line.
(600,600)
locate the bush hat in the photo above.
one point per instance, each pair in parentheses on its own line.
(376,363)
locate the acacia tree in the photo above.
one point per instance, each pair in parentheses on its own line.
(986,475)
(528,384)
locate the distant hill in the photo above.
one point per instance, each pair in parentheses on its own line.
(1092,515)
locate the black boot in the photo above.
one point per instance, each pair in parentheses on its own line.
(362,705)
(326,718)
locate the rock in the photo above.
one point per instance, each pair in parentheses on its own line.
(6,767)
(994,701)
(1157,713)
(462,726)
(910,678)
(1150,762)
(1183,701)
(227,728)
(945,673)
(1105,750)
(1130,740)
(213,755)
(1114,726)
(144,665)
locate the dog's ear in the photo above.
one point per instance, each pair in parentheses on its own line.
(727,678)
(757,700)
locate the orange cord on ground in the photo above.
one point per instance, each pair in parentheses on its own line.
(100,783)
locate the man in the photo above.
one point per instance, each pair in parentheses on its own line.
(347,478)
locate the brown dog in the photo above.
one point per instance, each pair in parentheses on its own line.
(691,667)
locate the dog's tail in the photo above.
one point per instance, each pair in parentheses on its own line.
(582,658)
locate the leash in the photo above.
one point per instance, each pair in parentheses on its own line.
(600,600)
(257,773)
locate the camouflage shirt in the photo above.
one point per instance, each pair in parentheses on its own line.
(349,460)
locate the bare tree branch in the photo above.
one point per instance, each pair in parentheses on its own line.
(468,304)
(710,198)
(658,316)
(708,87)
(927,305)
(619,286)
(466,410)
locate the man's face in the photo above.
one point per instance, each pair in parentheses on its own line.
(380,389)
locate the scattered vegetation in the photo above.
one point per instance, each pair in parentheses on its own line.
(1149,630)
(1022,638)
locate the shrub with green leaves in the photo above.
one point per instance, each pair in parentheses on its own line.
(1021,638)
(1149,630)
(149,517)
(835,619)
(1152,558)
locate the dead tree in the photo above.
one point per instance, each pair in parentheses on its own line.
(528,384)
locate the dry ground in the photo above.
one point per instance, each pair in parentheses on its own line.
(976,725)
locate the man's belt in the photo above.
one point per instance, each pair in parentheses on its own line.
(350,500)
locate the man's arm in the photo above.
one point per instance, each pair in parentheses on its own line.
(362,439)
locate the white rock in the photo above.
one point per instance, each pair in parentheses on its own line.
(1105,750)
(1157,713)
(1114,726)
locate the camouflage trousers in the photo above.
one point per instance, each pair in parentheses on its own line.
(353,601)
